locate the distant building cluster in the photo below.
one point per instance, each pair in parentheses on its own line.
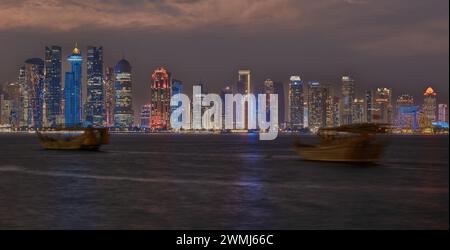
(40,99)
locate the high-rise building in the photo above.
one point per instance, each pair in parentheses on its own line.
(430,105)
(177,88)
(53,86)
(268,89)
(406,114)
(296,103)
(13,95)
(443,113)
(73,90)
(110,96)
(348,96)
(227,90)
(160,99)
(279,90)
(145,116)
(34,71)
(5,111)
(358,111)
(369,103)
(123,111)
(383,111)
(317,105)
(244,87)
(24,111)
(333,114)
(95,111)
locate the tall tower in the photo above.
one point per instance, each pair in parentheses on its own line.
(177,88)
(73,90)
(348,96)
(53,86)
(244,87)
(296,103)
(110,95)
(383,112)
(160,99)
(369,105)
(34,71)
(95,111)
(430,105)
(123,112)
(317,101)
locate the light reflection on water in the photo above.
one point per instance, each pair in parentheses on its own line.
(219,182)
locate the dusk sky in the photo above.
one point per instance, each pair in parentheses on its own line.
(403,44)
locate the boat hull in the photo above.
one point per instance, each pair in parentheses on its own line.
(76,139)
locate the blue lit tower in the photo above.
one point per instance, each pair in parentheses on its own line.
(296,103)
(73,90)
(53,94)
(177,88)
(94,111)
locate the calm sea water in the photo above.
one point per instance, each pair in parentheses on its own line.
(219,182)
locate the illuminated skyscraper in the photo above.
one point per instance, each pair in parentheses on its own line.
(160,99)
(406,113)
(110,96)
(145,116)
(317,105)
(226,91)
(358,111)
(348,96)
(369,106)
(73,90)
(268,89)
(177,88)
(443,113)
(53,86)
(24,111)
(5,111)
(279,90)
(13,95)
(244,87)
(429,105)
(383,112)
(123,112)
(95,112)
(333,115)
(296,103)
(34,71)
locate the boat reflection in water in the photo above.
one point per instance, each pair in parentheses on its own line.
(73,139)
(350,143)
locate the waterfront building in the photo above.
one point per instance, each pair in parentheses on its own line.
(358,114)
(53,85)
(332,116)
(160,99)
(227,90)
(383,111)
(145,116)
(442,113)
(95,111)
(110,96)
(317,105)
(177,88)
(73,90)
(348,96)
(406,117)
(5,111)
(279,90)
(123,110)
(34,71)
(244,87)
(369,106)
(296,103)
(12,93)
(429,105)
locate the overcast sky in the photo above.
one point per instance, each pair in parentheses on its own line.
(402,44)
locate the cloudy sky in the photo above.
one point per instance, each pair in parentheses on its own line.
(403,44)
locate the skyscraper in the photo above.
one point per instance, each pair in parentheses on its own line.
(348,96)
(443,113)
(73,90)
(406,118)
(333,115)
(123,111)
(24,111)
(317,105)
(95,112)
(429,105)
(177,88)
(145,116)
(279,90)
(244,87)
(227,90)
(383,112)
(369,106)
(160,99)
(358,111)
(296,103)
(268,89)
(53,86)
(110,96)
(34,71)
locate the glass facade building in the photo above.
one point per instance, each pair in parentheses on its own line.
(95,111)
(123,111)
(73,90)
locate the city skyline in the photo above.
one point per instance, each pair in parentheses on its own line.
(407,47)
